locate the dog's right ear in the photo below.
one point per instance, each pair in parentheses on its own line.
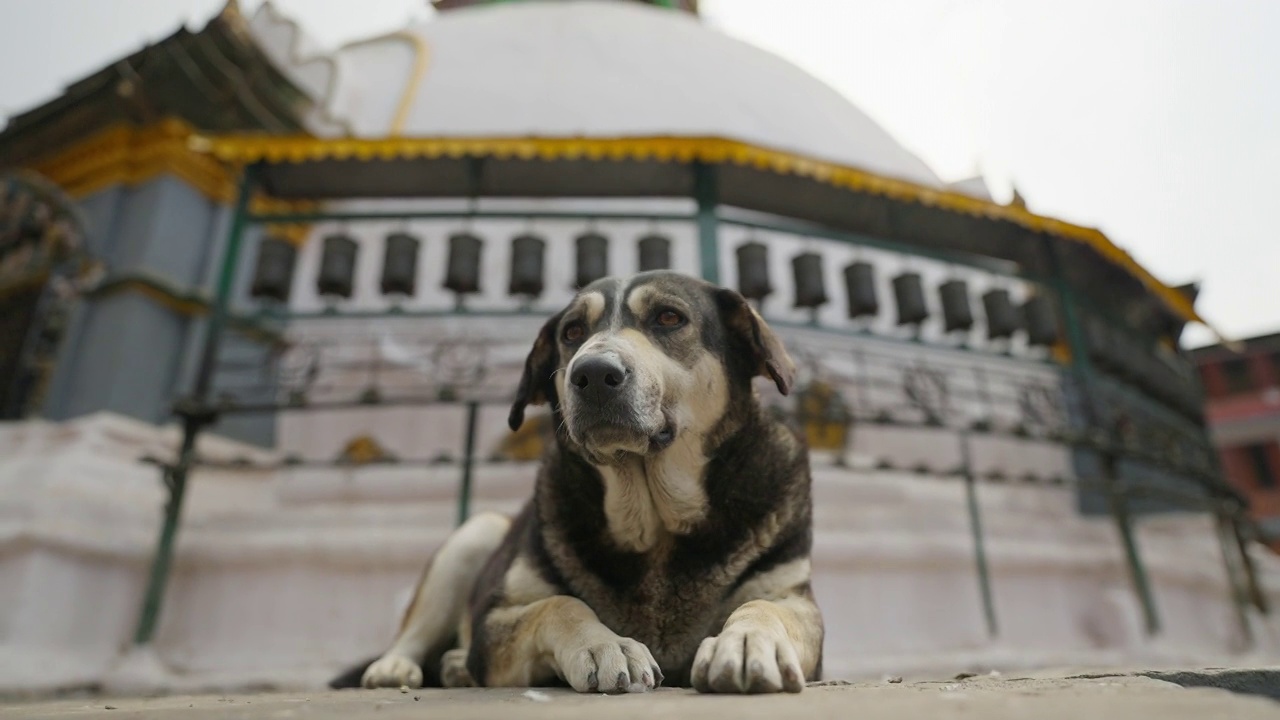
(537,383)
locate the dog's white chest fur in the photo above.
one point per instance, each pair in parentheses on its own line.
(647,498)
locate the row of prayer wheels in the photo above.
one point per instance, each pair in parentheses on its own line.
(1037,316)
(273,278)
(273,273)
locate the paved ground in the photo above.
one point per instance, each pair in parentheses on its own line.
(1128,697)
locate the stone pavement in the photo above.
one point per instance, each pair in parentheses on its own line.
(1039,696)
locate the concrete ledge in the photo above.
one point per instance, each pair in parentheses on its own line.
(1130,696)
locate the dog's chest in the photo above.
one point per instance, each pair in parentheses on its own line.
(670,615)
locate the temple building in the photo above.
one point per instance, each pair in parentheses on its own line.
(270,305)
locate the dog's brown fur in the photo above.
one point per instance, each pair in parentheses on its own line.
(669,533)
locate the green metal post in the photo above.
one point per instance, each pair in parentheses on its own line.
(196,415)
(1117,500)
(706,193)
(1256,593)
(468,463)
(1070,313)
(175,481)
(226,284)
(979,547)
(1234,580)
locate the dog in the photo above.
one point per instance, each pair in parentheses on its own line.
(669,533)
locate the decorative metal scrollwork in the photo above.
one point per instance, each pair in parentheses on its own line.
(364,370)
(459,365)
(1040,406)
(297,371)
(926,389)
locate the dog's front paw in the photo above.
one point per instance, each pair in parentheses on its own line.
(751,660)
(613,665)
(392,671)
(453,670)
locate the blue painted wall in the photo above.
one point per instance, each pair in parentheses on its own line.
(125,359)
(126,352)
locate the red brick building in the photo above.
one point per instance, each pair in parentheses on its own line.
(1242,406)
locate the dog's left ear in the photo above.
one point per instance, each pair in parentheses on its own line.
(743,321)
(538,369)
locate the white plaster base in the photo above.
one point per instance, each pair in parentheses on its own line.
(283,578)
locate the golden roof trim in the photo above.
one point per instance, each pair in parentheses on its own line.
(127,155)
(130,155)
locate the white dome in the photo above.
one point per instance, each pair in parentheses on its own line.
(586,68)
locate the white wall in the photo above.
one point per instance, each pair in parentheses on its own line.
(286,576)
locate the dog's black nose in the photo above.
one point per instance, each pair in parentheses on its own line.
(598,377)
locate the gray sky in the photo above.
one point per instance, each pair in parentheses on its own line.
(1157,121)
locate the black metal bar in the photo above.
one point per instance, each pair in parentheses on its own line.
(1256,592)
(385,215)
(401,313)
(357,401)
(1119,504)
(1231,563)
(901,341)
(468,462)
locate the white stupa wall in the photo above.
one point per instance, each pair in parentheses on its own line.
(286,576)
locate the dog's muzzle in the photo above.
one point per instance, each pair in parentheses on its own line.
(609,411)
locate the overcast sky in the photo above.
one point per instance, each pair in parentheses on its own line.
(1157,121)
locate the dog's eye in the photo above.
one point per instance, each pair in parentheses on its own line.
(574,332)
(669,318)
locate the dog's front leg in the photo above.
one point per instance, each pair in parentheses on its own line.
(438,604)
(561,636)
(765,646)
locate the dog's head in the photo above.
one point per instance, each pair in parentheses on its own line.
(633,363)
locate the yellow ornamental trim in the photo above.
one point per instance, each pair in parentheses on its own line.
(131,155)
(128,155)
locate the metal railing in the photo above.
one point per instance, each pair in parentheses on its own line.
(911,399)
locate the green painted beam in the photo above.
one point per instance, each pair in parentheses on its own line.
(979,545)
(706,194)
(1115,488)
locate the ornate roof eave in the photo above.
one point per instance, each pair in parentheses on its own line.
(276,150)
(215,78)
